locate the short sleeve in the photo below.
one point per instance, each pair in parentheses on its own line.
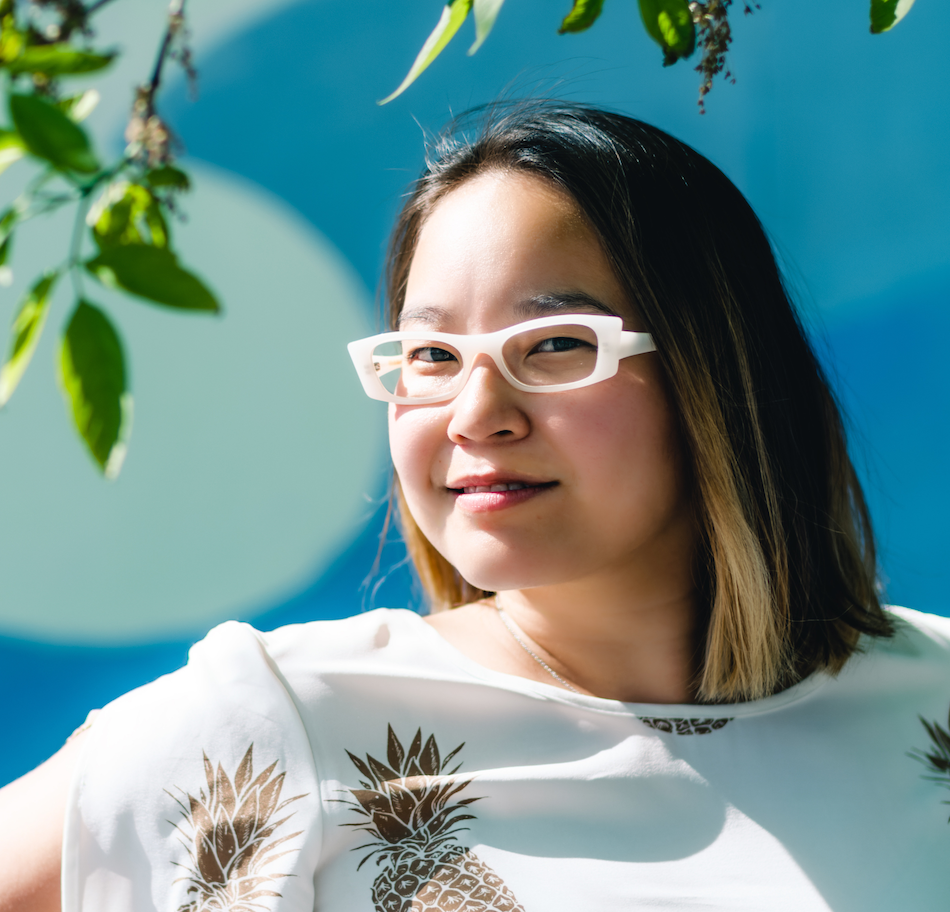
(197,791)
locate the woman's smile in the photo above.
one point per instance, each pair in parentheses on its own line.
(485,494)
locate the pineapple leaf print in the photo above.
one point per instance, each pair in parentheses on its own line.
(229,833)
(411,807)
(937,760)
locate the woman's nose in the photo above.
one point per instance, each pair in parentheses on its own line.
(487,407)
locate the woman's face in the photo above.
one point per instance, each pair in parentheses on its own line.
(598,471)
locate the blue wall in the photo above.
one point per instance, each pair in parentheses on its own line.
(838,139)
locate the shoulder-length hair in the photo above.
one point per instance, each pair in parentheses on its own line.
(787,562)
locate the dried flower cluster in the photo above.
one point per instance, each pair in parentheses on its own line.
(149,137)
(714,35)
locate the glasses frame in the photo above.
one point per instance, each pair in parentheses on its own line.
(613,344)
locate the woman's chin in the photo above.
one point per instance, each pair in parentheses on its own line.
(502,560)
(498,577)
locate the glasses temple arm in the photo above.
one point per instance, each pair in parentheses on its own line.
(635,343)
(385,365)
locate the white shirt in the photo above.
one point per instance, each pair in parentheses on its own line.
(804,801)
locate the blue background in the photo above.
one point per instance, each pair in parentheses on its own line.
(838,138)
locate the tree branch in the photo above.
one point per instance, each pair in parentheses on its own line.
(75,16)
(75,247)
(95,7)
(146,130)
(176,18)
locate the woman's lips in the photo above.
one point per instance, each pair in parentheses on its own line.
(486,497)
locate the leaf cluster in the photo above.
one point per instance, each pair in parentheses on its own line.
(122,209)
(679,27)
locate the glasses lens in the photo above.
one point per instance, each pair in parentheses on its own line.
(552,354)
(416,368)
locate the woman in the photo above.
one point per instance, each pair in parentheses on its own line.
(670,683)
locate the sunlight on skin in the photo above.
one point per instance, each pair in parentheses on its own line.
(31,851)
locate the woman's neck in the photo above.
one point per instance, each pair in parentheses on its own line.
(639,644)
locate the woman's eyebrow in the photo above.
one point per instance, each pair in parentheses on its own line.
(542,305)
(428,316)
(546,305)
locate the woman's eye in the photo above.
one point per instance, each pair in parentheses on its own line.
(561,344)
(431,354)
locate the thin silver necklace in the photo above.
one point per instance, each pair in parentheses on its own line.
(514,630)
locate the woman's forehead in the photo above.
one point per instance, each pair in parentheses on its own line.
(507,241)
(498,193)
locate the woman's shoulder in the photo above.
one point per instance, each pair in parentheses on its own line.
(297,657)
(237,671)
(915,662)
(930,632)
(180,778)
(357,637)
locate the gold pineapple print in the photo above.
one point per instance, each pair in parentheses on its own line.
(412,810)
(229,834)
(937,760)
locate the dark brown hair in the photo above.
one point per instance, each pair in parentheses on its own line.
(787,560)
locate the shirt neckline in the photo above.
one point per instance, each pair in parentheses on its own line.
(794,694)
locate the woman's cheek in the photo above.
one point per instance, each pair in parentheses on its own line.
(414,442)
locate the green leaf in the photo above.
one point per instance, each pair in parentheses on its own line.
(453,15)
(582,16)
(11,149)
(486,12)
(167,176)
(157,226)
(92,377)
(152,273)
(48,133)
(12,41)
(27,328)
(79,107)
(670,24)
(127,214)
(7,223)
(58,60)
(885,14)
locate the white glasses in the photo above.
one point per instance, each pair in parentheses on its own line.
(539,356)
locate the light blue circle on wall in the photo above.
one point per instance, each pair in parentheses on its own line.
(253,449)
